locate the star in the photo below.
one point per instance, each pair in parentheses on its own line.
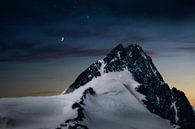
(87,17)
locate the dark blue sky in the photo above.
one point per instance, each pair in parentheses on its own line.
(31,30)
(33,60)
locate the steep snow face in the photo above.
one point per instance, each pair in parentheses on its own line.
(112,82)
(115,105)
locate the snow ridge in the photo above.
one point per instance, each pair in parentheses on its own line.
(175,109)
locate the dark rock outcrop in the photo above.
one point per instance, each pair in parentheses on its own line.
(76,123)
(170,104)
(193,123)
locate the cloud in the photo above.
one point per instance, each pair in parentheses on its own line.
(24,51)
(43,93)
(151,53)
(73,32)
(43,52)
(30,43)
(188,49)
(134,37)
(26,43)
(75,29)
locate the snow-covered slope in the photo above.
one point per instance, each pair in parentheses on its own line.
(115,105)
(122,91)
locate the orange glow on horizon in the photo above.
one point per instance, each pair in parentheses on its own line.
(192,101)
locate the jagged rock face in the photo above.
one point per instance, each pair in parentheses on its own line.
(193,123)
(170,104)
(75,123)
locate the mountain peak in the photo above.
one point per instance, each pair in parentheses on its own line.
(119,47)
(160,99)
(118,59)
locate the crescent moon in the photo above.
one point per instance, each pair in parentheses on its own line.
(62,39)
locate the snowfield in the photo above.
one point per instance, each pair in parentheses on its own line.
(116,105)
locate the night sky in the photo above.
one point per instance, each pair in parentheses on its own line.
(34,60)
